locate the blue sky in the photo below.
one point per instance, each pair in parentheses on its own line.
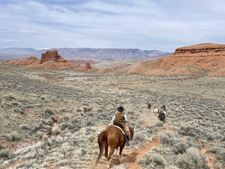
(145,24)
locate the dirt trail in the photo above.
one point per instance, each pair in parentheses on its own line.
(148,117)
(141,151)
(208,158)
(130,157)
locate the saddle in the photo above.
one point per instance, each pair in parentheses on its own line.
(119,126)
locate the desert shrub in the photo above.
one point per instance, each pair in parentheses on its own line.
(89,123)
(56,131)
(44,127)
(197,132)
(48,112)
(64,119)
(5,154)
(15,104)
(159,124)
(223,139)
(10,98)
(63,125)
(21,165)
(139,137)
(192,159)
(180,147)
(219,165)
(152,160)
(74,124)
(36,127)
(221,156)
(47,121)
(167,153)
(214,150)
(39,135)
(25,126)
(92,139)
(19,111)
(62,163)
(151,129)
(166,137)
(176,144)
(219,153)
(14,136)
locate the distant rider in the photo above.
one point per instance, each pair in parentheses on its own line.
(149,105)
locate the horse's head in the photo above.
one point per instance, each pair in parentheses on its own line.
(131,132)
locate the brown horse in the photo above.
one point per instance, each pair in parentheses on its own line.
(114,138)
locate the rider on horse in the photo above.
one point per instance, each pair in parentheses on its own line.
(121,119)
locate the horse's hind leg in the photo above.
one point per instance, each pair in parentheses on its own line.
(112,149)
(116,151)
(106,151)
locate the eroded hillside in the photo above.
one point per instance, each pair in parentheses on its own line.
(197,59)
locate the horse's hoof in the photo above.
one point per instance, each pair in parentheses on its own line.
(108,165)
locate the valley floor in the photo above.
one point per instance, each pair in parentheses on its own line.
(42,124)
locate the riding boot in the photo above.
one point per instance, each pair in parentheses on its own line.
(127,141)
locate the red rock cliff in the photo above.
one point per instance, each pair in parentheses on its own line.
(51,55)
(186,60)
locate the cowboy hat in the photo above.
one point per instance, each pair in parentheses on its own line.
(120,109)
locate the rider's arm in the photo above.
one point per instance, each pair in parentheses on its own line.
(125,117)
(113,119)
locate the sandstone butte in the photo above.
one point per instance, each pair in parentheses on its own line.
(50,60)
(207,57)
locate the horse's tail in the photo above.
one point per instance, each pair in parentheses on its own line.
(102,142)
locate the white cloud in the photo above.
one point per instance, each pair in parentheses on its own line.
(7,40)
(145,24)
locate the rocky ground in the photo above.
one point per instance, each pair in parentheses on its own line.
(42,124)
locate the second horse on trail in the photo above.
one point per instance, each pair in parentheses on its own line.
(161,112)
(111,137)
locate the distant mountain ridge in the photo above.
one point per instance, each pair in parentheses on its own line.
(97,54)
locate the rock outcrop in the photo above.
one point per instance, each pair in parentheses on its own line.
(88,66)
(51,55)
(50,60)
(203,57)
(23,62)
